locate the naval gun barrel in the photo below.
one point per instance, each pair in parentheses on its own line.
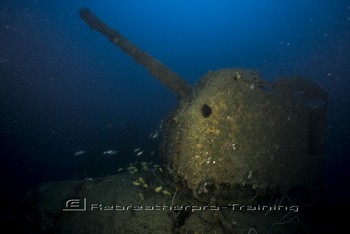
(161,72)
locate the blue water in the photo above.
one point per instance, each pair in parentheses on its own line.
(65,88)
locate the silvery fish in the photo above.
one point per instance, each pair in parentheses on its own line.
(139,153)
(110,152)
(80,152)
(137,149)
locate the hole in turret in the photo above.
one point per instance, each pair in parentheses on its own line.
(206,111)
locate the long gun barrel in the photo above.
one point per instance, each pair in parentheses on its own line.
(166,76)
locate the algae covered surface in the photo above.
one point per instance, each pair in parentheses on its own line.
(239,130)
(113,204)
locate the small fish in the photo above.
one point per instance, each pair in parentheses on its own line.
(137,149)
(155,135)
(80,152)
(158,189)
(166,192)
(139,153)
(136,183)
(110,152)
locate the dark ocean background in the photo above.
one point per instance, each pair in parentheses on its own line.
(65,88)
